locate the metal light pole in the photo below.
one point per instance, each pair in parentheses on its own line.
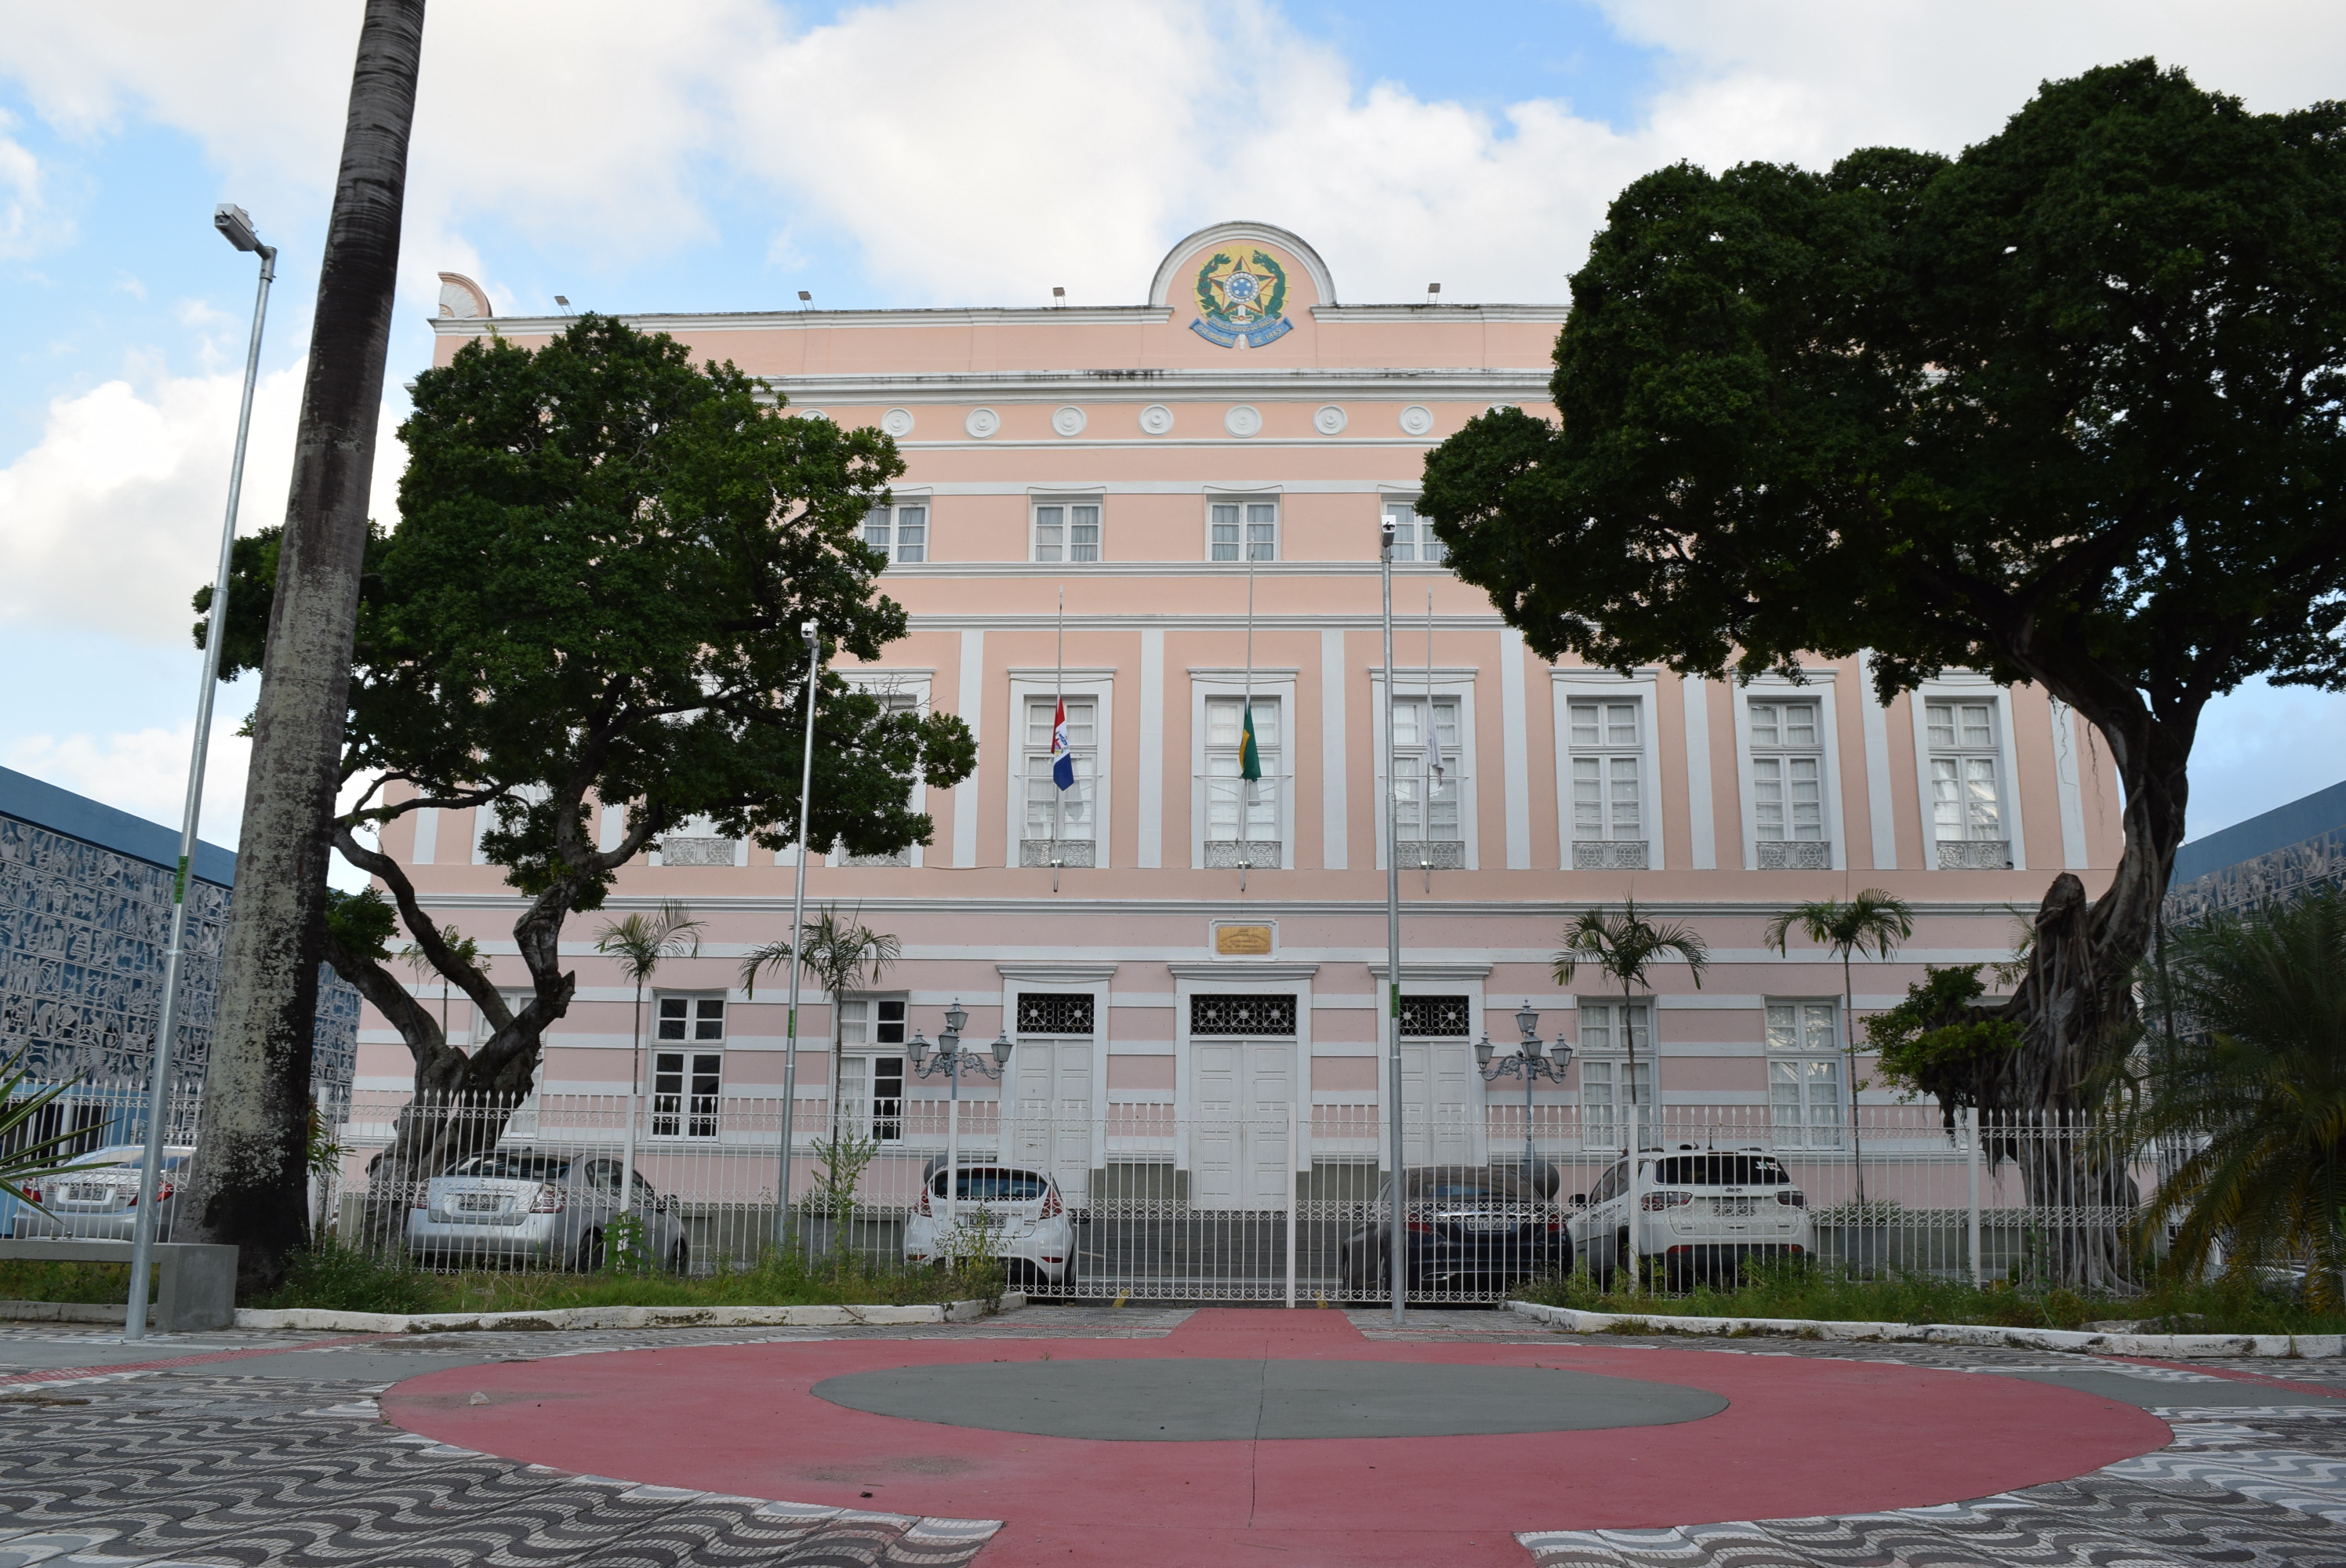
(236,226)
(1398,1232)
(953,1062)
(808,630)
(1530,1064)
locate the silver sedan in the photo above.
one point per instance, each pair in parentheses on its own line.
(96,1196)
(561,1211)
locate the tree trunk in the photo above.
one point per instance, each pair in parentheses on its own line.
(2075,1006)
(249,1184)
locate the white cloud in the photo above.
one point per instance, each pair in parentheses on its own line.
(27,223)
(145,771)
(114,514)
(973,149)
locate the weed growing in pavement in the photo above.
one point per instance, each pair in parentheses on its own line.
(1809,1290)
(334,1278)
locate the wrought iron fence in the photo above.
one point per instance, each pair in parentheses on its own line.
(1162,1202)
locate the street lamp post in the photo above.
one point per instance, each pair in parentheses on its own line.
(1396,1236)
(1531,1063)
(953,1062)
(810,632)
(235,225)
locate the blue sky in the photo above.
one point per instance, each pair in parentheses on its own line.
(926,151)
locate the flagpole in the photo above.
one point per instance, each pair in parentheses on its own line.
(1058,717)
(1395,1249)
(1245,724)
(1433,752)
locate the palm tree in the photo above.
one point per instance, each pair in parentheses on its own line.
(419,964)
(843,955)
(1873,922)
(2257,1069)
(642,942)
(1621,947)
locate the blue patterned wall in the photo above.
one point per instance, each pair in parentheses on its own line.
(84,930)
(2274,876)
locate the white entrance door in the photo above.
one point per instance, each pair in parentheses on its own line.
(1052,1126)
(1439,1124)
(1238,1099)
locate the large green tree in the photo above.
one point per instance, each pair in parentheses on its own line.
(2065,409)
(593,600)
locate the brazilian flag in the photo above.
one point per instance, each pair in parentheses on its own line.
(1250,759)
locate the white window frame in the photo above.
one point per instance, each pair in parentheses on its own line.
(1615,1054)
(1957,686)
(1454,762)
(1269,686)
(1242,500)
(863,1050)
(1455,683)
(901,501)
(1421,534)
(693,1043)
(1099,686)
(887,684)
(1598,685)
(1066,545)
(1816,687)
(1806,1052)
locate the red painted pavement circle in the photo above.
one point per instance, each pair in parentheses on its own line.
(1800,1436)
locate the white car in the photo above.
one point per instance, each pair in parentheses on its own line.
(1031,1230)
(1701,1212)
(518,1206)
(96,1196)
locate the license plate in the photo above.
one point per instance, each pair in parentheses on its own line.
(478,1203)
(89,1195)
(1735,1206)
(1489,1226)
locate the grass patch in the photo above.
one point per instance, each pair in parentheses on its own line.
(100,1284)
(340,1279)
(1796,1290)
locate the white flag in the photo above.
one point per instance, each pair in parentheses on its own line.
(1435,766)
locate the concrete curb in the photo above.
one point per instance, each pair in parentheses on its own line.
(561,1317)
(2286,1347)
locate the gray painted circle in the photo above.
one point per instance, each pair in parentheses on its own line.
(1068,421)
(897,421)
(1156,419)
(982,422)
(1329,421)
(1242,419)
(1416,419)
(1181,1399)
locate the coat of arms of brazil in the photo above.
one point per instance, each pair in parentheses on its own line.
(1241,301)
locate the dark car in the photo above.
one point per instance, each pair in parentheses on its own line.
(1472,1230)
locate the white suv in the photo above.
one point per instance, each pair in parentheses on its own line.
(1701,1212)
(1034,1234)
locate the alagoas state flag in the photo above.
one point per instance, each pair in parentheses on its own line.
(1250,759)
(1062,761)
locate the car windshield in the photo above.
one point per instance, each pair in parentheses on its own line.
(524,1166)
(1720,1170)
(993,1186)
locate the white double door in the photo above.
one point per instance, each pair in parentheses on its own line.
(1052,1113)
(1441,1113)
(1241,1155)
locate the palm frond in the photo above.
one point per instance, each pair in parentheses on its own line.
(31,1162)
(643,940)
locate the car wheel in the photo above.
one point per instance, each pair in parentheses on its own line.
(590,1252)
(679,1256)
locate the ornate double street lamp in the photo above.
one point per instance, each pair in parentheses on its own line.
(1531,1063)
(952,1061)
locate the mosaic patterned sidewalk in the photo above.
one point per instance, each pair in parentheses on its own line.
(231,1464)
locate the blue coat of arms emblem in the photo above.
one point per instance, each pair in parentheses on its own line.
(1241,301)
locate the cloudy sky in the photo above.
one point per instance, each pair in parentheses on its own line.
(724,154)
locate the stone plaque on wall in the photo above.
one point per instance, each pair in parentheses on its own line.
(1241,940)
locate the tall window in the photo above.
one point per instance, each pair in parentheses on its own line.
(1251,524)
(1055,815)
(687,1067)
(1422,809)
(1788,788)
(1966,804)
(1067,531)
(1804,1073)
(1605,1070)
(1234,812)
(902,530)
(1608,817)
(871,1080)
(1414,537)
(892,703)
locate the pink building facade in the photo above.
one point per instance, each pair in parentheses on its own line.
(1170,949)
